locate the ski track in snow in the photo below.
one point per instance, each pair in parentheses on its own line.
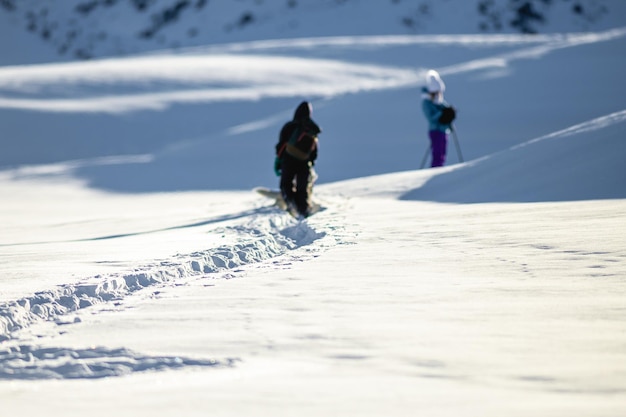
(265,233)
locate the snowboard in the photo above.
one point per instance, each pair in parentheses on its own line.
(277,196)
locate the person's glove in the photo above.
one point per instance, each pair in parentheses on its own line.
(278,166)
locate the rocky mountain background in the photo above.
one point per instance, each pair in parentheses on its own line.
(85,29)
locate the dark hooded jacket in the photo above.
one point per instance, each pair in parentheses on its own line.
(307,145)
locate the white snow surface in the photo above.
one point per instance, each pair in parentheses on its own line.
(141,276)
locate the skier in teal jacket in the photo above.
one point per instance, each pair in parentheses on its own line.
(433,105)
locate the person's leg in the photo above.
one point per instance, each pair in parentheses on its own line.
(286,180)
(302,190)
(438,141)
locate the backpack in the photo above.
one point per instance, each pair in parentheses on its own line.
(302,141)
(448,114)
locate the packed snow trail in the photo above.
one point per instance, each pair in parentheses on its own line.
(261,234)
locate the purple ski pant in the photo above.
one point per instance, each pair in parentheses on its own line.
(438,142)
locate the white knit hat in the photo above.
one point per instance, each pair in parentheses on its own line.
(434,83)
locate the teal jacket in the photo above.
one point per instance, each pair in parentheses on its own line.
(432,111)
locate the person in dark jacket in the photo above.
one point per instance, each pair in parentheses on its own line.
(296,152)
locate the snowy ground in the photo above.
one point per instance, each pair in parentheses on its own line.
(383,307)
(139,275)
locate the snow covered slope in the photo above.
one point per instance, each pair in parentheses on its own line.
(39,31)
(139,275)
(217,110)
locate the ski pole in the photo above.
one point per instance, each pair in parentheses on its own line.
(456,142)
(425,156)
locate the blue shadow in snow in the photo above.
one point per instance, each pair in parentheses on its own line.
(37,363)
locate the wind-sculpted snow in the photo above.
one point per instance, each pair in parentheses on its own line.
(577,174)
(156,82)
(30,363)
(262,238)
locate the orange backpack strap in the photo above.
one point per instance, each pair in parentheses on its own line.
(281,150)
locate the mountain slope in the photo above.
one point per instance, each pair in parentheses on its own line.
(81,29)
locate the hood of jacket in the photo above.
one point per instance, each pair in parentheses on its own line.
(303,111)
